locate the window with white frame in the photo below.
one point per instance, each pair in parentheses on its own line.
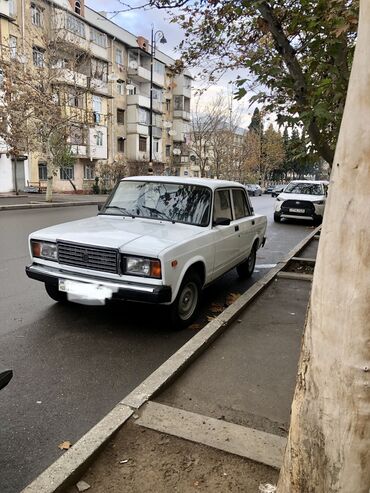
(187,82)
(133,56)
(142,143)
(89,172)
(178,103)
(99,138)
(97,104)
(157,120)
(75,99)
(120,87)
(156,145)
(36,15)
(38,56)
(98,38)
(119,56)
(99,69)
(158,67)
(75,26)
(43,170)
(67,173)
(13,47)
(12,8)
(144,116)
(157,94)
(132,90)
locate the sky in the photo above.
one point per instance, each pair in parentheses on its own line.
(139,22)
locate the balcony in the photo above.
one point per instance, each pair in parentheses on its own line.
(139,73)
(184,115)
(139,100)
(137,128)
(71,77)
(99,86)
(157,132)
(79,150)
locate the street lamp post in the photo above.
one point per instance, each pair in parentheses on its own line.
(158,35)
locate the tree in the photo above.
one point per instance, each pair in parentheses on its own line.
(42,98)
(329,438)
(297,54)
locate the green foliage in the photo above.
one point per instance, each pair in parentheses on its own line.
(297,55)
(96,187)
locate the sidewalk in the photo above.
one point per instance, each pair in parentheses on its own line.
(37,200)
(214,420)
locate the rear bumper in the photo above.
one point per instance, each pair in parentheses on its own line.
(124,290)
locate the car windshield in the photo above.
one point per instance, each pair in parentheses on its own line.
(305,188)
(174,202)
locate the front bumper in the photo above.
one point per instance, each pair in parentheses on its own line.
(125,290)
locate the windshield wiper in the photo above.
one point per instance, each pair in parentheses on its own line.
(156,211)
(124,211)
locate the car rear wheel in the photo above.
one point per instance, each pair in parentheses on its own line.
(186,305)
(55,294)
(246,269)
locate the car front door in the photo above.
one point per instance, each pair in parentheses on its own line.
(225,237)
(244,221)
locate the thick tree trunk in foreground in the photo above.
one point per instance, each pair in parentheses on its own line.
(329,439)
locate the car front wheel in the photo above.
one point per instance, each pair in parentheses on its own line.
(185,307)
(277,217)
(55,294)
(246,269)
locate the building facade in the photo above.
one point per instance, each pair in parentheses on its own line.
(103,81)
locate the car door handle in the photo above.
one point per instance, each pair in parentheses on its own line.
(236,228)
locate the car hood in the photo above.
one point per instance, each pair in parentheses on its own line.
(136,236)
(301,197)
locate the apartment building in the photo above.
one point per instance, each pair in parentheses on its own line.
(102,77)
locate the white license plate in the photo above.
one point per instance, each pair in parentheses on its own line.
(299,211)
(85,290)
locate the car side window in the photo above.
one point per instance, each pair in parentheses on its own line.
(240,204)
(222,205)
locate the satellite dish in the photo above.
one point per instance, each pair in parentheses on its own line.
(167,124)
(133,64)
(172,132)
(177,152)
(130,87)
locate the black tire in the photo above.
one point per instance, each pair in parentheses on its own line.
(246,268)
(317,220)
(277,217)
(184,309)
(55,294)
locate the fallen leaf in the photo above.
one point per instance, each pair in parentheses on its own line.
(216,308)
(210,319)
(82,486)
(231,298)
(195,327)
(123,461)
(65,445)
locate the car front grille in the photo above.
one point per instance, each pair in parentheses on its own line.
(88,257)
(308,207)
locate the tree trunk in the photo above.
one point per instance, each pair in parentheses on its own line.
(49,183)
(329,438)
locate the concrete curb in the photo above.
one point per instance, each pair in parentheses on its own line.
(16,207)
(61,473)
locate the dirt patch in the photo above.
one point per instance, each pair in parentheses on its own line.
(300,267)
(139,460)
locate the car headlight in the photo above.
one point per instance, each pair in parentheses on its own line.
(319,202)
(44,249)
(141,266)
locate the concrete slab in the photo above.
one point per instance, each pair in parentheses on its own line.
(246,442)
(310,251)
(247,376)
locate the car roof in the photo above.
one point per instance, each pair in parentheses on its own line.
(204,182)
(325,182)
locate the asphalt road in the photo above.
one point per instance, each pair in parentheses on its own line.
(72,364)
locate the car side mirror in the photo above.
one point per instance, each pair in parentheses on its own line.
(222,221)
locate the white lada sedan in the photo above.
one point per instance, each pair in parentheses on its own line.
(156,240)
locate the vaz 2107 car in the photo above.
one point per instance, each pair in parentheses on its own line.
(156,240)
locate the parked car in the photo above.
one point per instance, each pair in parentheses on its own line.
(302,200)
(269,189)
(277,190)
(156,240)
(254,190)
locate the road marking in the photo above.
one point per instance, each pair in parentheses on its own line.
(265,266)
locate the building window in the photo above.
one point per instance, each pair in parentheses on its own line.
(13,47)
(43,171)
(133,56)
(168,151)
(119,56)
(132,90)
(36,15)
(187,81)
(120,116)
(76,100)
(121,87)
(168,105)
(98,38)
(156,145)
(144,116)
(75,26)
(38,56)
(157,94)
(158,67)
(142,144)
(89,172)
(99,138)
(178,103)
(99,70)
(78,8)
(67,173)
(97,104)
(12,8)
(196,174)
(121,144)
